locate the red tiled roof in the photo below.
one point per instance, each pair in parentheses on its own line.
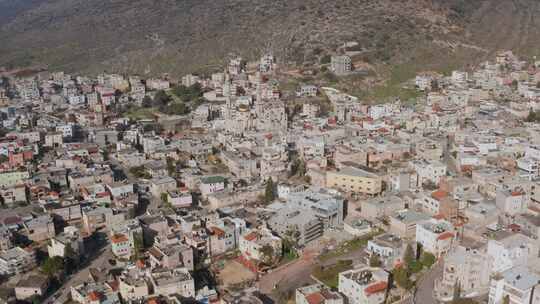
(250,237)
(514,227)
(94,296)
(140,264)
(438,216)
(517,193)
(439,194)
(315,298)
(119,238)
(114,285)
(153,301)
(217,231)
(445,235)
(375,288)
(12,220)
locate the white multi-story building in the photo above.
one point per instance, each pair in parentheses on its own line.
(180,198)
(159,185)
(169,282)
(466,267)
(388,247)
(17,260)
(70,238)
(190,79)
(428,171)
(307,91)
(364,285)
(121,246)
(66,130)
(511,202)
(435,236)
(510,251)
(423,82)
(212,184)
(517,285)
(157,84)
(459,77)
(252,243)
(341,65)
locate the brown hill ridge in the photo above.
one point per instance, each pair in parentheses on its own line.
(177,36)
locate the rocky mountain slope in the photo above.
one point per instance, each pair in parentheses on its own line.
(176,36)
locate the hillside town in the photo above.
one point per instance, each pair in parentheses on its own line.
(232,187)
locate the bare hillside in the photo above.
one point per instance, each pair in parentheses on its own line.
(176,36)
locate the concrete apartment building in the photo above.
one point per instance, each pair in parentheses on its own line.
(388,247)
(403,223)
(159,185)
(318,293)
(16,261)
(468,267)
(341,65)
(251,244)
(70,238)
(354,180)
(327,205)
(379,207)
(510,250)
(518,284)
(436,236)
(303,224)
(366,285)
(169,282)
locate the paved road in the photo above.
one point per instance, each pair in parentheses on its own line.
(426,285)
(289,277)
(99,261)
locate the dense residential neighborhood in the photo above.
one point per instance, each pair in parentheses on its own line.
(231,187)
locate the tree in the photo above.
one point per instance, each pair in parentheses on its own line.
(269,194)
(139,172)
(171,166)
(506,299)
(457,292)
(71,258)
(53,267)
(435,85)
(415,267)
(165,200)
(402,278)
(428,259)
(138,245)
(375,261)
(290,242)
(326,59)
(514,84)
(533,116)
(538,85)
(408,256)
(147,102)
(298,168)
(188,93)
(419,250)
(35,299)
(176,108)
(161,98)
(268,253)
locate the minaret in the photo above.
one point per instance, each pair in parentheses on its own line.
(258,97)
(227,85)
